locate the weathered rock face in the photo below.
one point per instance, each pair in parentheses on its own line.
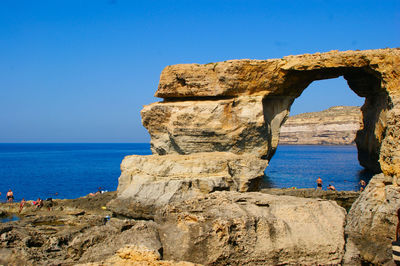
(371,222)
(239,105)
(148,183)
(235,125)
(335,126)
(231,228)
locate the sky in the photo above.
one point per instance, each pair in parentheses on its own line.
(81,71)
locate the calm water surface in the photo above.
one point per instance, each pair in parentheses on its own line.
(71,170)
(300,165)
(74,170)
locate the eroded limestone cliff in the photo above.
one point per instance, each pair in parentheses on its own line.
(335,126)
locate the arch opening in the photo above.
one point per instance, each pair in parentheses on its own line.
(364,83)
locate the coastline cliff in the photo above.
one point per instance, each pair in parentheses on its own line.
(337,125)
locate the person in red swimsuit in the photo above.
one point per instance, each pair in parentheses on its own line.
(21,205)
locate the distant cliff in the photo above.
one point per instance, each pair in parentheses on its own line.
(335,126)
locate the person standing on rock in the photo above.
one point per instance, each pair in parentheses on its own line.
(21,205)
(363,184)
(10,196)
(319,183)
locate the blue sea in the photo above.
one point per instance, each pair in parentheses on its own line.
(75,170)
(300,166)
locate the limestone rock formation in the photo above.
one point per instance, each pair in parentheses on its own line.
(240,105)
(371,222)
(216,129)
(231,228)
(147,183)
(335,126)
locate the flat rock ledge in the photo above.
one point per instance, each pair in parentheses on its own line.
(345,199)
(231,228)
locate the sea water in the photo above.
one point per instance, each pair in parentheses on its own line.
(75,170)
(62,170)
(300,165)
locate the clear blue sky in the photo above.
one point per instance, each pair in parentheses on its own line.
(80,71)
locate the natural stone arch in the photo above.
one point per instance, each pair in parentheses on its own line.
(216,123)
(238,106)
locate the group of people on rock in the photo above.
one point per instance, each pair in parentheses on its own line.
(99,191)
(362,184)
(329,187)
(39,203)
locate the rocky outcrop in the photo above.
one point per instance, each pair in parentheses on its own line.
(231,228)
(371,222)
(335,126)
(148,183)
(240,105)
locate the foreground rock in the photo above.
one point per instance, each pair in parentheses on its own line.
(335,126)
(218,228)
(148,183)
(371,222)
(231,228)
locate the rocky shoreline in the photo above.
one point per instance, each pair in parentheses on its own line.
(223,224)
(76,231)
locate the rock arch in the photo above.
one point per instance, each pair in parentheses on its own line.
(217,126)
(238,106)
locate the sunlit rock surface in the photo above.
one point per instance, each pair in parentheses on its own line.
(231,228)
(133,255)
